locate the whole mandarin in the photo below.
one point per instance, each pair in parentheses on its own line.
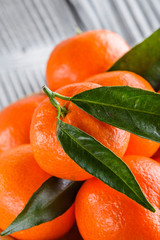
(104,213)
(15,121)
(137,145)
(46,148)
(81,56)
(20,177)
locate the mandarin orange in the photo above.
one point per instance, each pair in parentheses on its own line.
(46,147)
(20,177)
(103,213)
(15,121)
(82,56)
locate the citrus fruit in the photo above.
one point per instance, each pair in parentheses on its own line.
(20,177)
(46,147)
(137,145)
(104,213)
(82,56)
(15,121)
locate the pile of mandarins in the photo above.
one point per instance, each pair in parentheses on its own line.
(30,151)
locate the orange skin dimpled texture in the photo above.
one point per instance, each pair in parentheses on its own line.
(48,151)
(20,177)
(82,56)
(137,145)
(15,121)
(102,213)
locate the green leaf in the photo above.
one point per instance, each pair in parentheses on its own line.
(141,58)
(51,200)
(99,161)
(153,75)
(132,109)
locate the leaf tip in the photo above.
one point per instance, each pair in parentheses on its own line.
(150,207)
(4,233)
(153,209)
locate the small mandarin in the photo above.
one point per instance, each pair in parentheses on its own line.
(82,56)
(20,177)
(15,121)
(104,213)
(46,147)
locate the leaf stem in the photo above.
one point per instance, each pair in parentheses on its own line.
(51,94)
(61,96)
(62,111)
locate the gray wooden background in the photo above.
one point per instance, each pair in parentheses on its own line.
(29,29)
